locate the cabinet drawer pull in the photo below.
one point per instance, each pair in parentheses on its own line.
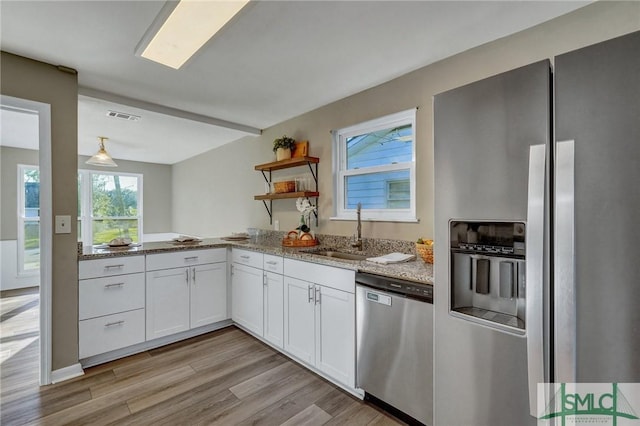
(191,258)
(113,285)
(272,262)
(186,276)
(112,324)
(114,266)
(317,295)
(310,293)
(244,256)
(193,275)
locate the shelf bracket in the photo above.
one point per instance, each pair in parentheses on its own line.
(270,210)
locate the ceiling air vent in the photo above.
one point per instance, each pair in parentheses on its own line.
(123,115)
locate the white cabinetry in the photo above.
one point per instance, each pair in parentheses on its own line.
(185,290)
(247,281)
(273,300)
(319,318)
(111,304)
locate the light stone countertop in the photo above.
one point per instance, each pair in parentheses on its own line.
(415,270)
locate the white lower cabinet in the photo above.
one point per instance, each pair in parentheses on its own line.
(274,308)
(111,304)
(247,298)
(319,321)
(179,299)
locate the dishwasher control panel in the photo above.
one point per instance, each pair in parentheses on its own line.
(422,292)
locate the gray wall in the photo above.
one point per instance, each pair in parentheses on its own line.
(223,181)
(9,159)
(28,79)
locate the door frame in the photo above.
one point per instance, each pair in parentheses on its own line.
(43,111)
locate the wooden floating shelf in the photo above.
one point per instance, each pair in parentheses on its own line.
(284,195)
(285,164)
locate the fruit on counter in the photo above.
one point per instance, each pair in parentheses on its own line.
(425,241)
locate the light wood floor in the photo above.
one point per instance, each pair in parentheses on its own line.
(226,377)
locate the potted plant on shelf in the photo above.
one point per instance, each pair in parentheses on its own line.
(283,146)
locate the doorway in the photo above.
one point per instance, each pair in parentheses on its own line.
(23,301)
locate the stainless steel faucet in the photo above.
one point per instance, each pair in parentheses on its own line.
(358,243)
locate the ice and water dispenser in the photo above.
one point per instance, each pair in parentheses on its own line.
(488,273)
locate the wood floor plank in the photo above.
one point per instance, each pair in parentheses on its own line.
(147,399)
(356,415)
(270,395)
(183,404)
(336,402)
(310,416)
(151,385)
(257,383)
(291,405)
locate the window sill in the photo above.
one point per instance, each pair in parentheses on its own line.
(375,219)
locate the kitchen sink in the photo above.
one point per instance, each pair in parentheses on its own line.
(338,255)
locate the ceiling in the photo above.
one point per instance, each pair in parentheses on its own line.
(276,60)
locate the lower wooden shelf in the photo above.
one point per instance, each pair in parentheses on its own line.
(284,195)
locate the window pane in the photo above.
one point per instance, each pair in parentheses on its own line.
(107,229)
(31,245)
(114,195)
(383,147)
(31,193)
(386,190)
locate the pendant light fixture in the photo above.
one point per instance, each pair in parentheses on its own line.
(102,158)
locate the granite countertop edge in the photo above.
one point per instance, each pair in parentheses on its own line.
(415,270)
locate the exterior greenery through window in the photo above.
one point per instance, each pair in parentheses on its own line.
(28,220)
(374,164)
(110,206)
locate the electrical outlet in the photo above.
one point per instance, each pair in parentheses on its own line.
(276,225)
(63,224)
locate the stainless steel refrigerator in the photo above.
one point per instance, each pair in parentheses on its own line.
(556,150)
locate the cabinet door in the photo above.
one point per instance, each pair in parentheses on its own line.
(274,308)
(167,302)
(208,294)
(335,331)
(299,319)
(247,298)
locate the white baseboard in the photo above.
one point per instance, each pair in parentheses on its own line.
(67,373)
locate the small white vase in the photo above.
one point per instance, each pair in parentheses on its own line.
(283,154)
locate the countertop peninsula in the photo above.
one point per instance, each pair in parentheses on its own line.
(415,270)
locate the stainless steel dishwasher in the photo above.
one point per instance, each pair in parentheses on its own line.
(395,345)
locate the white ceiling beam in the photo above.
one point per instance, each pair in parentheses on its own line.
(161,109)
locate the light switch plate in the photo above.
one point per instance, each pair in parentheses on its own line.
(63,224)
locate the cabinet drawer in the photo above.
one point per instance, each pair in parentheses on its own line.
(111,332)
(110,266)
(110,295)
(340,279)
(273,263)
(177,259)
(247,257)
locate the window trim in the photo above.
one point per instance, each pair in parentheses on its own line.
(340,172)
(21,221)
(86,207)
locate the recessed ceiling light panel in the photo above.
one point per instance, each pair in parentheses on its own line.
(189,26)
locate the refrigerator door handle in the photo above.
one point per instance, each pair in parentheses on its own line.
(564,271)
(534,280)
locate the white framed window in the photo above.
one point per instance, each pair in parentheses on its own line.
(374,163)
(28,220)
(109,206)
